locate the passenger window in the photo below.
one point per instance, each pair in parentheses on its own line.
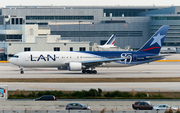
(42,97)
(141,103)
(73,104)
(79,105)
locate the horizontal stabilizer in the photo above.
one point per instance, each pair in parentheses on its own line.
(156,56)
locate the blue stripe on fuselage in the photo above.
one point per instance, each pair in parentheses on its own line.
(136,55)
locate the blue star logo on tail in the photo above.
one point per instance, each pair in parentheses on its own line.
(157,39)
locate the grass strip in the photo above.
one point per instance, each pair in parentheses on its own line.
(90,80)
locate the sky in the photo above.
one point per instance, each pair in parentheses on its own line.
(5,3)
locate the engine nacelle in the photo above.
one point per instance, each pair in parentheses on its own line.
(75,66)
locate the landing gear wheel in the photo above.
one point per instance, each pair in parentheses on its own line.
(94,72)
(90,71)
(83,71)
(22,72)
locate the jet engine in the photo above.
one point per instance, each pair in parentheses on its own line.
(75,66)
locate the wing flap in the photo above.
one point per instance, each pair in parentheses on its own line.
(101,61)
(98,62)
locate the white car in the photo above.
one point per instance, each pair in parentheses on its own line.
(164,107)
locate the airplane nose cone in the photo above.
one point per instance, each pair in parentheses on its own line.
(10,60)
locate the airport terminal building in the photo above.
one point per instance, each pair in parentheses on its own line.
(132,25)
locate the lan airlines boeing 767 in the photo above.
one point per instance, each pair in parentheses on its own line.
(88,60)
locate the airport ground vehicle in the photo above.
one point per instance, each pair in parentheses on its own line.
(77,106)
(46,98)
(142,105)
(164,107)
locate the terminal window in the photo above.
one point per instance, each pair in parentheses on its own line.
(27,49)
(98,33)
(71,48)
(82,49)
(103,42)
(56,48)
(59,17)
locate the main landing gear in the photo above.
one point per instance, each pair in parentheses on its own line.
(21,71)
(89,71)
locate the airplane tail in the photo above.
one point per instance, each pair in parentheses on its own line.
(111,40)
(153,45)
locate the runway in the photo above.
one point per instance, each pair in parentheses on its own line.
(152,70)
(155,69)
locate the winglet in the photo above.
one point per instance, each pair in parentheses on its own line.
(153,45)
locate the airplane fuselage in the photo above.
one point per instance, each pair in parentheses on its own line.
(106,46)
(61,58)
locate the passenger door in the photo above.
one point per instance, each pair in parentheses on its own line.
(146,106)
(26,57)
(80,106)
(141,105)
(76,106)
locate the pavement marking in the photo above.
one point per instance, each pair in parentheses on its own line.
(4,61)
(167,61)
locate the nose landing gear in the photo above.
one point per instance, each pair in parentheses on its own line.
(21,71)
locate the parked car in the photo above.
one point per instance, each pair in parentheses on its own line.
(142,105)
(164,107)
(46,98)
(77,106)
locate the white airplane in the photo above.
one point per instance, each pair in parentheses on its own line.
(109,43)
(88,60)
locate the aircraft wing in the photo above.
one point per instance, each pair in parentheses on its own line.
(99,62)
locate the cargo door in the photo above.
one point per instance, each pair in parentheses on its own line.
(134,57)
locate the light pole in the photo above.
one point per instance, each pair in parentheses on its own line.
(79,30)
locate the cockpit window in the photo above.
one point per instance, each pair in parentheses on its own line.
(15,56)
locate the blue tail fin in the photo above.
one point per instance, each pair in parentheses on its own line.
(153,45)
(111,40)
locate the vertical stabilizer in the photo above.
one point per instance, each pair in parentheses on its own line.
(111,40)
(154,44)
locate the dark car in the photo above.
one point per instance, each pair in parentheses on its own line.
(142,105)
(77,106)
(46,98)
